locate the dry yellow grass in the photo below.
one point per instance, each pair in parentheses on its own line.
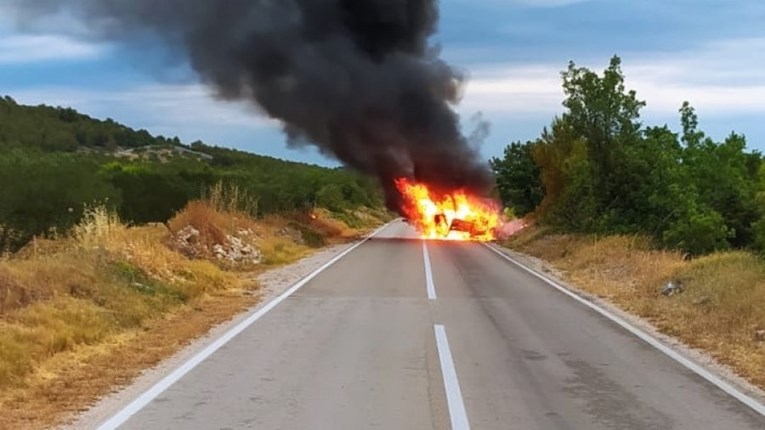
(71,381)
(273,236)
(103,281)
(325,224)
(82,313)
(719,311)
(213,225)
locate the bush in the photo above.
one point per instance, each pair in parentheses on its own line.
(699,233)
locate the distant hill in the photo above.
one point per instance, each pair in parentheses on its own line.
(54,161)
(65,129)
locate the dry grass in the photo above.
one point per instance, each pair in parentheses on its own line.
(326,225)
(279,250)
(720,310)
(81,293)
(277,241)
(88,311)
(70,382)
(212,224)
(231,199)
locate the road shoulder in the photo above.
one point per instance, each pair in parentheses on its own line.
(695,355)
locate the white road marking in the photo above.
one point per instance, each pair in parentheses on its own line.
(695,368)
(451,384)
(428,273)
(152,393)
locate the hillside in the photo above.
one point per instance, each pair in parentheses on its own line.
(118,247)
(54,161)
(64,129)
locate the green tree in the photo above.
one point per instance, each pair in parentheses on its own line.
(601,111)
(602,172)
(518,178)
(152,193)
(41,194)
(722,173)
(331,197)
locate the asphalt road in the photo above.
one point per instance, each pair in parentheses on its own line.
(376,341)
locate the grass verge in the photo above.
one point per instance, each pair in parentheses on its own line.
(721,309)
(87,312)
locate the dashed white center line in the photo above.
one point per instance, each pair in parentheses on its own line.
(428,273)
(451,384)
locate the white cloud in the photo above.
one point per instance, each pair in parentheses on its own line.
(16,49)
(521,90)
(724,77)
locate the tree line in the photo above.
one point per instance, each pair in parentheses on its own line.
(597,169)
(55,161)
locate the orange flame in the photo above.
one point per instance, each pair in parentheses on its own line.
(453,216)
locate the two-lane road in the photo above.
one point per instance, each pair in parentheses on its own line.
(402,334)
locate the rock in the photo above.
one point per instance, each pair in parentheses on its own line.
(188,234)
(759,336)
(141,287)
(245,233)
(295,235)
(220,251)
(237,251)
(672,288)
(188,242)
(233,249)
(704,300)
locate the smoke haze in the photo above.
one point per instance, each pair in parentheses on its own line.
(356,78)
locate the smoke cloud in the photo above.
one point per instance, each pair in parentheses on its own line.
(356,78)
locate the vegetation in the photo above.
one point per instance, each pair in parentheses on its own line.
(599,170)
(112,242)
(71,307)
(603,190)
(55,161)
(105,279)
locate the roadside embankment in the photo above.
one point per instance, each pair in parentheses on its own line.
(716,303)
(85,313)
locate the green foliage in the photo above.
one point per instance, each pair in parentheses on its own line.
(518,178)
(602,172)
(698,233)
(54,161)
(722,173)
(153,192)
(330,196)
(42,194)
(64,129)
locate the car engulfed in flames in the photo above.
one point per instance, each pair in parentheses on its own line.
(453,215)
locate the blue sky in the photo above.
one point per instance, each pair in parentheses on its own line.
(710,52)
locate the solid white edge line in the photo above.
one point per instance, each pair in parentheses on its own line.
(671,353)
(428,273)
(454,401)
(152,393)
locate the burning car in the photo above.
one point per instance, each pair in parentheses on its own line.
(452,216)
(470,227)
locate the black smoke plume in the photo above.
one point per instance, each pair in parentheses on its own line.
(356,78)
